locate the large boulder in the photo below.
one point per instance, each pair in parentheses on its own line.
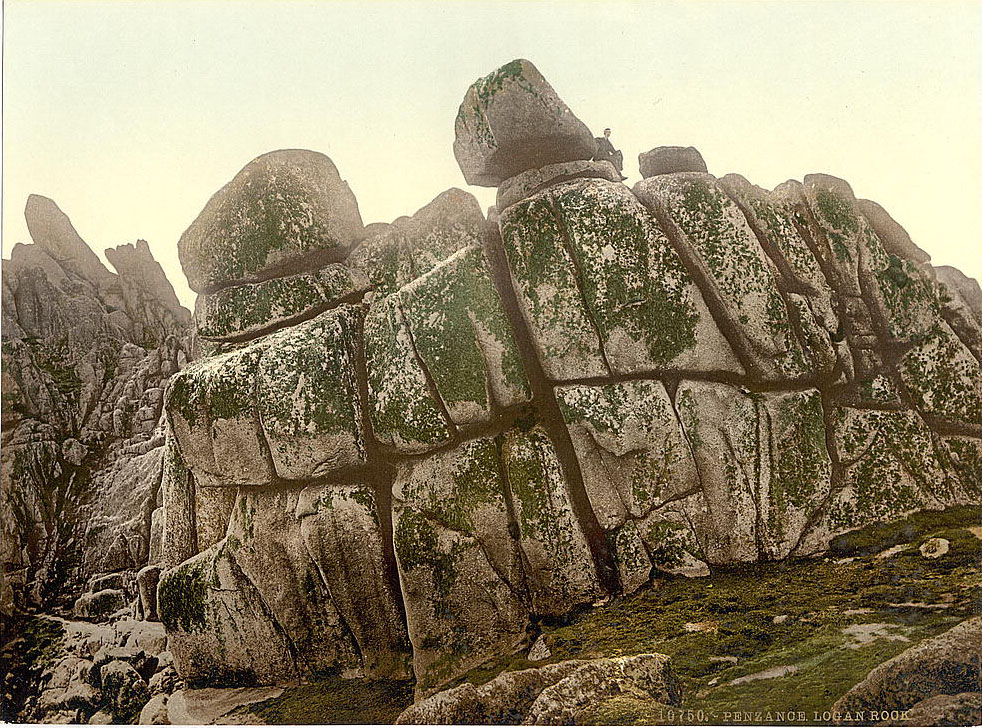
(666,160)
(647,676)
(948,664)
(502,701)
(285,211)
(512,120)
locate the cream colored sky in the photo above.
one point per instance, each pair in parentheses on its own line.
(130,115)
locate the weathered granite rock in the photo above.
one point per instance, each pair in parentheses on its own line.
(405,411)
(285,211)
(462,337)
(502,701)
(719,247)
(242,312)
(286,406)
(53,232)
(667,160)
(148,297)
(602,289)
(511,418)
(944,378)
(891,468)
(527,183)
(342,529)
(125,691)
(775,221)
(559,568)
(948,664)
(155,711)
(894,238)
(99,605)
(87,354)
(265,542)
(210,608)
(960,709)
(512,120)
(401,252)
(459,564)
(648,675)
(308,399)
(961,306)
(215,419)
(635,458)
(763,464)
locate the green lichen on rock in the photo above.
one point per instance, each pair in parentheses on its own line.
(512,120)
(248,309)
(800,479)
(546,281)
(308,396)
(907,299)
(944,378)
(219,627)
(462,334)
(403,411)
(282,207)
(630,446)
(763,464)
(638,292)
(891,468)
(555,548)
(181,597)
(458,609)
(592,264)
(460,489)
(962,457)
(212,410)
(717,239)
(411,247)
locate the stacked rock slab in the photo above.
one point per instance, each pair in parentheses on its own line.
(491,422)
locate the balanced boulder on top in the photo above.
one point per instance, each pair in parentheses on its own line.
(511,121)
(666,160)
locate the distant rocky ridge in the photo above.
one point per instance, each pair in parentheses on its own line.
(412,442)
(87,354)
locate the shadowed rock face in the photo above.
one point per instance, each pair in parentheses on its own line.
(490,422)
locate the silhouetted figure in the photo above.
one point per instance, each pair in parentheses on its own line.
(607,153)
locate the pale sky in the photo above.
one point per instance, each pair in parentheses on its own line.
(130,115)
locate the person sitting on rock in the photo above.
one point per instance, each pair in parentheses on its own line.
(607,153)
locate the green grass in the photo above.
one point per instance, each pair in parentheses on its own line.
(336,701)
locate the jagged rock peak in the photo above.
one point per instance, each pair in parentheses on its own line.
(51,229)
(511,121)
(137,264)
(287,211)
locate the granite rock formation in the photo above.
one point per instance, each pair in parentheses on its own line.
(409,444)
(87,354)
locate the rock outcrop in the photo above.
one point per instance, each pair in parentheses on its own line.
(410,443)
(552,695)
(87,354)
(947,665)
